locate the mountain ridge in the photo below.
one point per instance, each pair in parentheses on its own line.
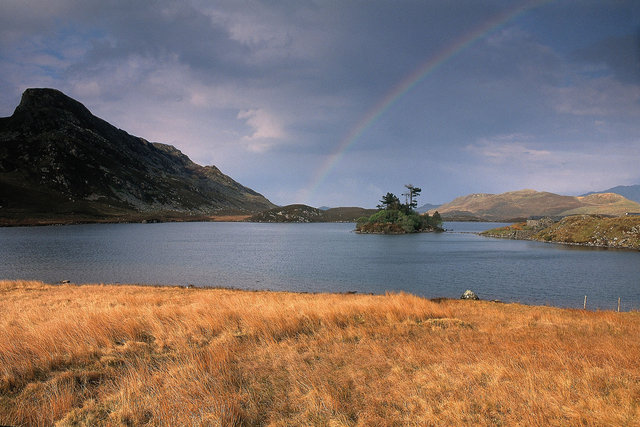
(427,207)
(631,192)
(59,161)
(518,205)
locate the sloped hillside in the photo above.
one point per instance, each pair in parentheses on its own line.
(604,204)
(519,205)
(631,192)
(59,161)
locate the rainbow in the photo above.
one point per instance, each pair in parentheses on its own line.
(410,81)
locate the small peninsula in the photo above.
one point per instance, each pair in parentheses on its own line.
(621,232)
(394,217)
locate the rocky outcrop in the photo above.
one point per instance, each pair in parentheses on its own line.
(582,230)
(470,295)
(521,231)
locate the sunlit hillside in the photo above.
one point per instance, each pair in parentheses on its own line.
(606,204)
(517,205)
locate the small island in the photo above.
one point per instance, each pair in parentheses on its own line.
(394,217)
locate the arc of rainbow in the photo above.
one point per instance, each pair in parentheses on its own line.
(411,80)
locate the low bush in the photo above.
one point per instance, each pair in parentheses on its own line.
(397,221)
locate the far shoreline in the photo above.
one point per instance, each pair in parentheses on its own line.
(33,222)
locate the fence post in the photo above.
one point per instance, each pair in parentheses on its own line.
(618,304)
(585,303)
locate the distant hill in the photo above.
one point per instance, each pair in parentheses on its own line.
(346,214)
(427,207)
(59,162)
(519,205)
(289,213)
(604,204)
(304,213)
(631,192)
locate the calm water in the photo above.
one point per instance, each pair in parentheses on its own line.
(323,257)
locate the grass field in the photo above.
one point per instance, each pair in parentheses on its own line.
(136,355)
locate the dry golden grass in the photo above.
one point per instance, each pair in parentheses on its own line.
(135,355)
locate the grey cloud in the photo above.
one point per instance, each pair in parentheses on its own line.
(620,54)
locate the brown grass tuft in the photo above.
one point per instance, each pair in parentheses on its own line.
(135,355)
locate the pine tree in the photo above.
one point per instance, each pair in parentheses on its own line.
(413,195)
(389,201)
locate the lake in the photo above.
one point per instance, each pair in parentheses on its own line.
(324,258)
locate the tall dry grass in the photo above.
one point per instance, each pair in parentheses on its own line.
(135,355)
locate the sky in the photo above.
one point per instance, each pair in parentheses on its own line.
(337,102)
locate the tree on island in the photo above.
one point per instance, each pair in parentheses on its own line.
(413,192)
(389,201)
(437,219)
(394,217)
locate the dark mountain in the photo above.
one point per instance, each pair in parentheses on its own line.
(60,162)
(631,192)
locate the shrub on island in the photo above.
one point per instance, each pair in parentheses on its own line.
(394,217)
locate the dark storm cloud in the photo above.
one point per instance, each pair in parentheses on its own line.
(268,90)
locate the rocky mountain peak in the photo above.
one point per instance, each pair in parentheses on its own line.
(50,99)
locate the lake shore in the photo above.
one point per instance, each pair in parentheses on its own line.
(107,354)
(577,230)
(125,219)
